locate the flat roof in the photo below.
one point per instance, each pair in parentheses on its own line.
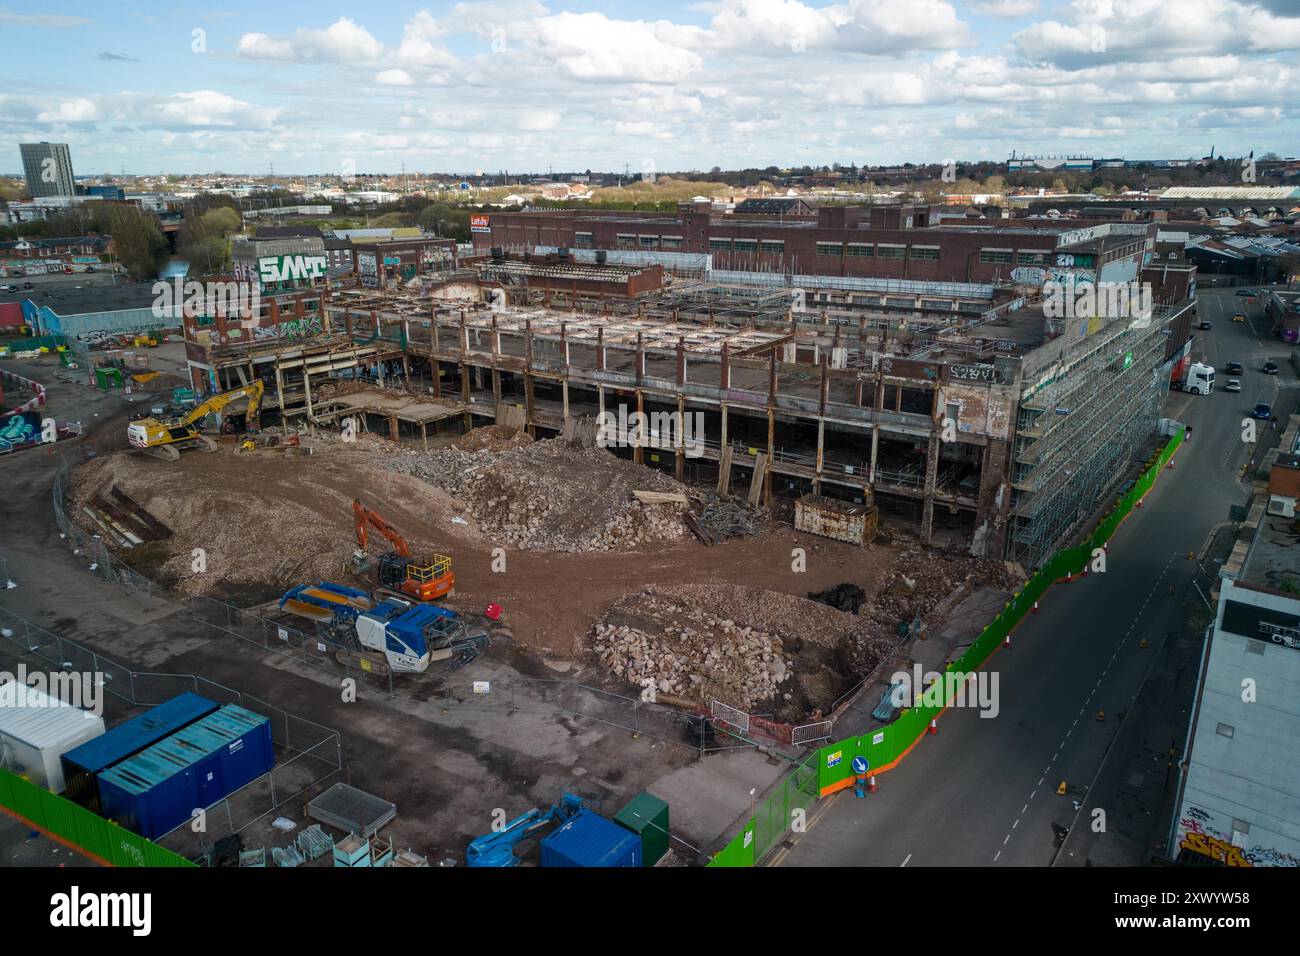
(39,720)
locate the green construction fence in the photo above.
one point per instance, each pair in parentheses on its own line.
(885,746)
(79,827)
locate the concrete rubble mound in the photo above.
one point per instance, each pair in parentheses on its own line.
(747,647)
(553,496)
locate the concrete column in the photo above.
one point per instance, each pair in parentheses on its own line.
(875,450)
(821,445)
(279,397)
(679,466)
(931,470)
(638,452)
(564,397)
(771,447)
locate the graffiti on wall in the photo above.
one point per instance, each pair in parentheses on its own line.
(1268,856)
(1214,848)
(290,329)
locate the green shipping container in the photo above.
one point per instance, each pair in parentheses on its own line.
(647,816)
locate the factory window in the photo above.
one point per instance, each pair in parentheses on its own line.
(648,242)
(719,243)
(746,245)
(890,252)
(830,249)
(670,242)
(625,239)
(584,239)
(1024,258)
(859,250)
(925,252)
(995,255)
(772,245)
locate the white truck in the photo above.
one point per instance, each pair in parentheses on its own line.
(1197,378)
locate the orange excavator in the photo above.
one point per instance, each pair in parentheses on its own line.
(425,579)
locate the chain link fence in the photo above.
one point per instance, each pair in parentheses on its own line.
(92,547)
(307,753)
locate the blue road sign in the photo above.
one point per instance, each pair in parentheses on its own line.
(860,765)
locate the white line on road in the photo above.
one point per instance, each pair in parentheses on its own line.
(904,863)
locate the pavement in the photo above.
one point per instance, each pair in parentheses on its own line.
(984,790)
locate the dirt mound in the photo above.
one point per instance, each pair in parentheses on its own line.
(751,648)
(267,519)
(553,496)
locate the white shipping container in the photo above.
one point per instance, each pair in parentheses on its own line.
(37,729)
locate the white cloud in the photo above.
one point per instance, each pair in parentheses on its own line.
(342,41)
(394,78)
(79,110)
(865,26)
(210,108)
(590,46)
(1005,8)
(540,121)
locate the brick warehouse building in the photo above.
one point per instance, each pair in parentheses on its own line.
(883,242)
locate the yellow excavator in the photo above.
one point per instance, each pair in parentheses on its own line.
(164,438)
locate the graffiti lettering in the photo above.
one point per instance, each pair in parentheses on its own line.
(1215,849)
(1267,856)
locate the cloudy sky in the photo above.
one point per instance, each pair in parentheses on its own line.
(521,85)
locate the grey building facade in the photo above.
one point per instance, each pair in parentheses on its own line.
(48,169)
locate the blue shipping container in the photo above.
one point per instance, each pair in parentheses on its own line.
(156,791)
(589,840)
(82,764)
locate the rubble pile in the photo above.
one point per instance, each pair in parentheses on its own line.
(494,438)
(922,579)
(758,650)
(707,657)
(553,496)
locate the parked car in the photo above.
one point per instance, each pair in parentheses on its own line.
(1204,324)
(1233,368)
(1239,316)
(1270,368)
(1249,292)
(9,288)
(1233,385)
(27,285)
(1263,411)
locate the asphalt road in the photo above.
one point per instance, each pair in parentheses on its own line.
(984,790)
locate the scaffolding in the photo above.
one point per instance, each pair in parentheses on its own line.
(1082,431)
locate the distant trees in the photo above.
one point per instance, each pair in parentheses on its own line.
(137,242)
(204,238)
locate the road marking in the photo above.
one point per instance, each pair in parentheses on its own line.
(1006,839)
(1024,808)
(904,863)
(996,855)
(1016,824)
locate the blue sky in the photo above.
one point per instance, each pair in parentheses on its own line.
(523,85)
